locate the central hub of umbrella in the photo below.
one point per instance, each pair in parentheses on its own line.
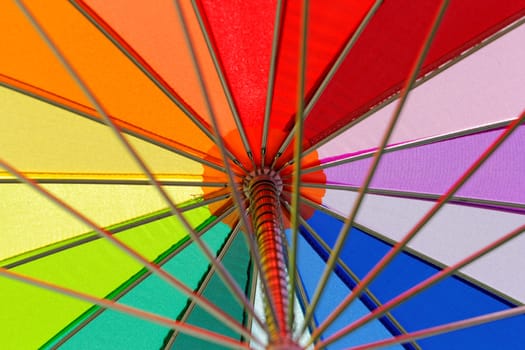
(263,188)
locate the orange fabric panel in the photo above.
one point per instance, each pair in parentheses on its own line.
(126,93)
(163,51)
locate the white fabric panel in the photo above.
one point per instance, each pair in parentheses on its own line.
(455,232)
(259,309)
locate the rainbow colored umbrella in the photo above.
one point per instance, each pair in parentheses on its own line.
(154,194)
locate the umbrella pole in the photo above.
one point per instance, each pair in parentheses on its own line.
(263,189)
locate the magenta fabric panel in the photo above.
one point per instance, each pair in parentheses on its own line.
(433,168)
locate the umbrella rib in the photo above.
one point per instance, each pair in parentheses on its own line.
(422,286)
(224,83)
(301,292)
(322,209)
(345,230)
(424,220)
(140,162)
(409,145)
(204,90)
(340,59)
(253,290)
(353,276)
(136,282)
(444,328)
(331,73)
(79,113)
(250,240)
(494,204)
(431,261)
(420,81)
(93,181)
(375,234)
(297,154)
(109,304)
(148,71)
(205,200)
(203,286)
(299,286)
(278,23)
(93,237)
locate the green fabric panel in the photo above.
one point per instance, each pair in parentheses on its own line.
(115,330)
(30,316)
(237,262)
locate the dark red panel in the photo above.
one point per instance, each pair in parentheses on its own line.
(380,61)
(330,25)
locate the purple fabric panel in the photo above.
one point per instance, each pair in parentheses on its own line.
(433,168)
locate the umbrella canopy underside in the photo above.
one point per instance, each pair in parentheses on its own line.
(154,194)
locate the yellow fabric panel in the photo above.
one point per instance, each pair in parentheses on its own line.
(29,221)
(37,137)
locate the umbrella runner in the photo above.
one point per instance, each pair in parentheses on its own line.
(263,188)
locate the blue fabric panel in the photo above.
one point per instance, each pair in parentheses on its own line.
(351,283)
(450,300)
(310,267)
(114,330)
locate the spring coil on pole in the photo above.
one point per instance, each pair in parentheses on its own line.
(263,191)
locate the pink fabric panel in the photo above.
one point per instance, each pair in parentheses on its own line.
(484,88)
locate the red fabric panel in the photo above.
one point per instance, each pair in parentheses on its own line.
(379,63)
(330,25)
(242,33)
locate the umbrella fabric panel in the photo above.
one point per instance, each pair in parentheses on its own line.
(450,300)
(310,268)
(95,267)
(29,221)
(480,90)
(243,29)
(45,141)
(323,44)
(84,30)
(433,168)
(124,21)
(117,330)
(125,92)
(393,38)
(461,230)
(237,262)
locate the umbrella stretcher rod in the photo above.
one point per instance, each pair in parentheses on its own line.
(263,189)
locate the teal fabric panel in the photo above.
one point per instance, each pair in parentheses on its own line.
(237,262)
(114,330)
